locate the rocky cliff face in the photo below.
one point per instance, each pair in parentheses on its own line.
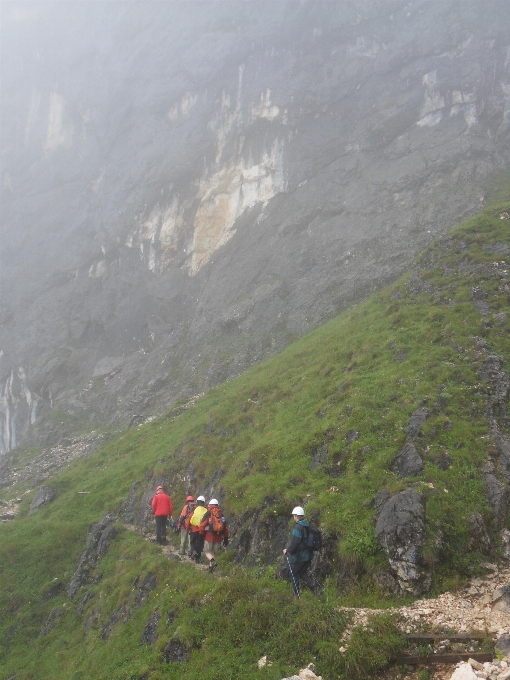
(186,189)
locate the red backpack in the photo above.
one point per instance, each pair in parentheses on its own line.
(217,521)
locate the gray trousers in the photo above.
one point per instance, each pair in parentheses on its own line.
(184,540)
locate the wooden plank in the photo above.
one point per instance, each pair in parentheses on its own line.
(444,636)
(442,658)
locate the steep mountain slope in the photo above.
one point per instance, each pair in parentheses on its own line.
(389,424)
(188,187)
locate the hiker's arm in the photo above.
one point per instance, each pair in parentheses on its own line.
(294,544)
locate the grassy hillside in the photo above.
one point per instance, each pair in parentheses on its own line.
(318,425)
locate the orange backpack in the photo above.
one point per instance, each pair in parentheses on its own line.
(217,521)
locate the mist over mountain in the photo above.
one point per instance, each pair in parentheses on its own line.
(188,186)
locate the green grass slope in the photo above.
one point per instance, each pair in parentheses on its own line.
(318,425)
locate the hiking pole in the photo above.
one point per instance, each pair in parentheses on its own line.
(294,582)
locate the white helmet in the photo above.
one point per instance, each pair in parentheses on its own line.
(213,501)
(200,499)
(298,510)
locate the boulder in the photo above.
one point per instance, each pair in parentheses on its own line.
(503,644)
(45,495)
(501,599)
(479,536)
(400,531)
(408,462)
(418,417)
(464,672)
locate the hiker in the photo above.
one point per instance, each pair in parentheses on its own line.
(196,539)
(214,528)
(162,509)
(297,552)
(181,523)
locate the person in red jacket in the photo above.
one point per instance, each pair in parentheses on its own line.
(181,523)
(214,528)
(162,509)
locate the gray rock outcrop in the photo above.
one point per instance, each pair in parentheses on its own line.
(218,207)
(418,417)
(400,531)
(98,541)
(150,631)
(479,536)
(408,462)
(43,496)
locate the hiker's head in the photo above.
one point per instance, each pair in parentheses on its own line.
(159,489)
(201,500)
(213,501)
(189,499)
(298,513)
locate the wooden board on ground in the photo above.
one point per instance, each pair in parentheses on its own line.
(442,658)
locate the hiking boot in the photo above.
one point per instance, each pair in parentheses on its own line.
(212,565)
(182,552)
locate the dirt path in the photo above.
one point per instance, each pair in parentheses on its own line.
(168,549)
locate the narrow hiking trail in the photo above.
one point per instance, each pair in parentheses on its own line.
(168,549)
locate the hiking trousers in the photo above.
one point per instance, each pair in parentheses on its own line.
(184,540)
(300,571)
(196,543)
(161,528)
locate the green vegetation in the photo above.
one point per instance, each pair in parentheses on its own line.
(319,424)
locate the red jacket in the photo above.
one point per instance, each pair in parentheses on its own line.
(184,513)
(162,505)
(212,536)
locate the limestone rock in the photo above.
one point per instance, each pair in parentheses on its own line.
(497,496)
(44,495)
(501,599)
(503,644)
(98,542)
(175,651)
(505,540)
(499,381)
(479,536)
(408,462)
(413,427)
(52,619)
(150,631)
(400,531)
(464,672)
(308,673)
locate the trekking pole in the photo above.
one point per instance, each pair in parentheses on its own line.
(294,582)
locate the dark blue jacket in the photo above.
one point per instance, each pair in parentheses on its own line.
(297,550)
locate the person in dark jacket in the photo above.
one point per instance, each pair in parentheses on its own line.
(181,523)
(213,539)
(162,509)
(298,554)
(192,524)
